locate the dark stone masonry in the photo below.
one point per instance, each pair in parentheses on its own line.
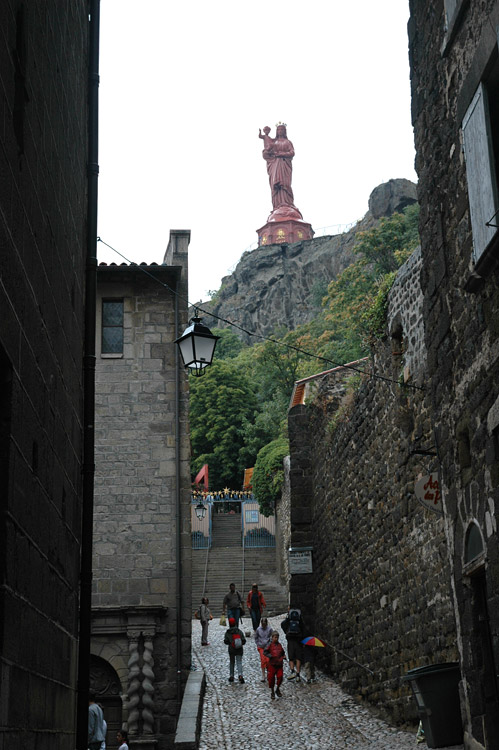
(454,59)
(43,209)
(380,588)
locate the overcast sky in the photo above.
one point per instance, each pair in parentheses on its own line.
(185,87)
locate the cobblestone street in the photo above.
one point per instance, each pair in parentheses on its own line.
(314,716)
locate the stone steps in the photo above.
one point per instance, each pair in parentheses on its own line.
(225,565)
(226,530)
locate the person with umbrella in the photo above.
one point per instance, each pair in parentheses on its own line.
(310,643)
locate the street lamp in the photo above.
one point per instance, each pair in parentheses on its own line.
(197,345)
(200,511)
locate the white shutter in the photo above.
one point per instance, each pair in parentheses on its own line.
(480,171)
(450,9)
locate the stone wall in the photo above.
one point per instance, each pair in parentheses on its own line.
(380,588)
(43,209)
(283,527)
(450,59)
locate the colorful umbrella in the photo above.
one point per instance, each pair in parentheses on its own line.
(312,640)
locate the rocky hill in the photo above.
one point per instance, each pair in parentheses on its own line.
(281,285)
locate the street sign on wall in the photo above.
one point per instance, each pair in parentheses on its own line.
(428,493)
(300,560)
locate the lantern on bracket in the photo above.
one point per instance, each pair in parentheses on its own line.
(197,346)
(200,510)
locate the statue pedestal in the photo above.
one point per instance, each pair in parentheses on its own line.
(143,743)
(289,230)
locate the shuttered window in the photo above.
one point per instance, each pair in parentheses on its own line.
(480,171)
(450,11)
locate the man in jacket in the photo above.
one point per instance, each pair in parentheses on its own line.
(233,604)
(255,603)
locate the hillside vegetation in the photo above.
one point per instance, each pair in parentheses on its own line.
(239,407)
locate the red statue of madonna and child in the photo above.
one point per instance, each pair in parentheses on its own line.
(285,223)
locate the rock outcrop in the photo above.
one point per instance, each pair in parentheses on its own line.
(281,285)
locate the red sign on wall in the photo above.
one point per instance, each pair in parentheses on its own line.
(428,493)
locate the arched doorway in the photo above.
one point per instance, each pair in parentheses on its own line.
(105,682)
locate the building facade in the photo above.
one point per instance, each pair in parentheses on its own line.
(455,78)
(43,215)
(141,605)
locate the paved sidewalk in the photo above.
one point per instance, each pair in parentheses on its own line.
(307,717)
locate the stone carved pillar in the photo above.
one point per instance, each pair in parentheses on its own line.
(133,684)
(148,685)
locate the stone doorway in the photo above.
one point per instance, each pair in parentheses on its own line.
(485,667)
(106,683)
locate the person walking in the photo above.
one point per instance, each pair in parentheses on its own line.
(309,663)
(263,634)
(204,617)
(255,603)
(104,728)
(122,738)
(235,640)
(233,604)
(276,655)
(294,629)
(96,732)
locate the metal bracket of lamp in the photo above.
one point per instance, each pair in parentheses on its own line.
(197,346)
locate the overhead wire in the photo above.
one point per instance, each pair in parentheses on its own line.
(253,334)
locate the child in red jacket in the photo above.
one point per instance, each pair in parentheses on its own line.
(276,655)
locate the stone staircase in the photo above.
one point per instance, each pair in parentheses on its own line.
(224,564)
(226,530)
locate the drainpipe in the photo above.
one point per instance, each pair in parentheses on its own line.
(88,384)
(178,504)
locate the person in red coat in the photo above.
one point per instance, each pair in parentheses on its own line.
(276,655)
(255,604)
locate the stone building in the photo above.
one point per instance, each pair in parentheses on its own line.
(43,243)
(379,588)
(141,605)
(455,79)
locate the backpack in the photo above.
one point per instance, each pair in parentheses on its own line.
(236,640)
(294,622)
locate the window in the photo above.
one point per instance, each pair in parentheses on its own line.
(481,147)
(473,547)
(112,326)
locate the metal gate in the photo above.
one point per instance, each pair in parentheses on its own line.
(257,530)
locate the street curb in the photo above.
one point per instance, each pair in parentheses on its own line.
(189,720)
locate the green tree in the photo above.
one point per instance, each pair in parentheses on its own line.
(391,241)
(229,344)
(222,403)
(268,476)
